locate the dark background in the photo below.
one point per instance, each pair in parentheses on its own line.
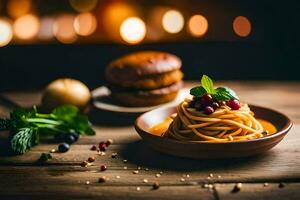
(271,52)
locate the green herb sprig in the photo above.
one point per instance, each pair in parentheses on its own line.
(207,86)
(26,125)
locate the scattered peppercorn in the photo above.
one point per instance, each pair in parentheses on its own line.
(103,168)
(63,147)
(114,155)
(281,185)
(155,185)
(237,187)
(102,179)
(84,164)
(102,146)
(109,142)
(94,148)
(91,159)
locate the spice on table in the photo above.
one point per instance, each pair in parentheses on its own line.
(219,176)
(211,175)
(124,161)
(91,159)
(52,151)
(102,179)
(114,155)
(94,148)
(281,185)
(135,172)
(237,187)
(155,185)
(125,167)
(103,168)
(84,164)
(109,142)
(87,182)
(266,184)
(157,175)
(182,179)
(102,146)
(146,169)
(139,168)
(138,188)
(145,180)
(101,153)
(118,177)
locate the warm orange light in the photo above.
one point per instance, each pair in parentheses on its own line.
(113,16)
(242,26)
(63,29)
(133,30)
(5,32)
(83,5)
(173,21)
(46,28)
(85,24)
(26,27)
(198,25)
(17,8)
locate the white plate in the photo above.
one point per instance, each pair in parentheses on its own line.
(103,101)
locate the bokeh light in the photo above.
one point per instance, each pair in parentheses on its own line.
(133,30)
(172,21)
(113,15)
(17,8)
(242,26)
(83,5)
(85,24)
(26,27)
(198,25)
(6,33)
(63,29)
(46,28)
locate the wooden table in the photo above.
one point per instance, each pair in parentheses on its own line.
(63,177)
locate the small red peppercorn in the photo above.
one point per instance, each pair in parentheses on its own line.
(91,159)
(103,168)
(206,100)
(102,146)
(94,148)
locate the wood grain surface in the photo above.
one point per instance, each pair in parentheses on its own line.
(22,177)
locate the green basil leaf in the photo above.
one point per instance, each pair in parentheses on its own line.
(197,91)
(207,84)
(225,94)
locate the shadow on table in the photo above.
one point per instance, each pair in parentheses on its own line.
(141,154)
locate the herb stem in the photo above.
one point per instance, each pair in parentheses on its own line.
(40,120)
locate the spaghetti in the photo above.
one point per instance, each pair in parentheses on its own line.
(223,125)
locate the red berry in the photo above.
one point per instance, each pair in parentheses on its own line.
(208,110)
(206,100)
(234,104)
(215,105)
(94,148)
(103,168)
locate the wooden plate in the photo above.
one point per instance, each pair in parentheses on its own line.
(103,101)
(212,150)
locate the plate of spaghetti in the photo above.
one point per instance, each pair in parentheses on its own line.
(213,123)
